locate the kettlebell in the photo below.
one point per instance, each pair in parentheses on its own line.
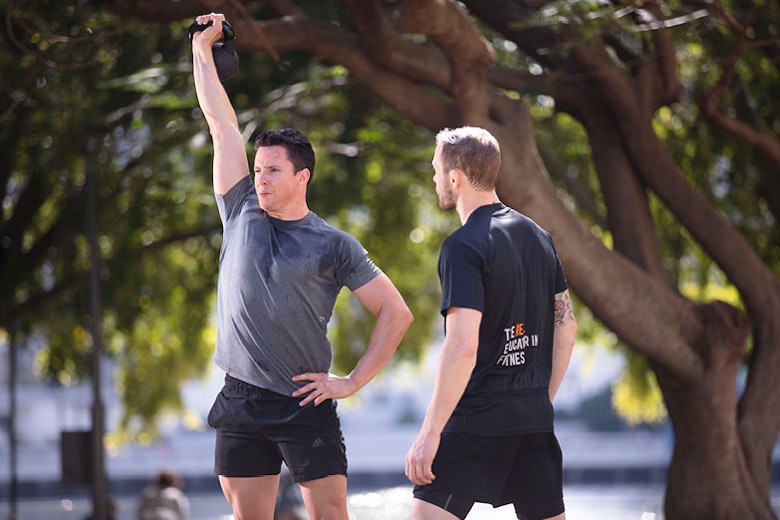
(225,57)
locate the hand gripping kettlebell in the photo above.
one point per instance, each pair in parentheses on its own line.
(225,57)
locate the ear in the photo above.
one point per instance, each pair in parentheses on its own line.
(455,177)
(304,176)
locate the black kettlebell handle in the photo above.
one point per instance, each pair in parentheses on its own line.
(224,52)
(227,30)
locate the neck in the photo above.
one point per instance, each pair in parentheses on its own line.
(292,212)
(472,200)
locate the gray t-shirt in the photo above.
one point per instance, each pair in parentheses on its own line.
(278,283)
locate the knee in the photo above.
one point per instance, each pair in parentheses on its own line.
(332,507)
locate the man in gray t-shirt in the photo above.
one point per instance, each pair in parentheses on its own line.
(281,268)
(278,282)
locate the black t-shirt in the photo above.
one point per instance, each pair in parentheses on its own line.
(503,264)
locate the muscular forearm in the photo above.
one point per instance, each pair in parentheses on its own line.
(456,362)
(393,318)
(391,324)
(563,341)
(212,98)
(453,371)
(563,345)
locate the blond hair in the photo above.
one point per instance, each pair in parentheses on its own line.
(472,150)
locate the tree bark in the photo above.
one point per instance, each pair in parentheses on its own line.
(708,475)
(723,444)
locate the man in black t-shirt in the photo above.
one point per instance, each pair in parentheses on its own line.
(488,431)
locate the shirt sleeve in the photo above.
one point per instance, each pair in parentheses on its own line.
(353,267)
(460,273)
(561,284)
(229,204)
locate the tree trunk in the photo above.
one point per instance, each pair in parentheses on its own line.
(708,477)
(720,465)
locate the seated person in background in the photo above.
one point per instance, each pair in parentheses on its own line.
(164,499)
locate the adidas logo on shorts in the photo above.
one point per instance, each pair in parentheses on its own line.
(318,443)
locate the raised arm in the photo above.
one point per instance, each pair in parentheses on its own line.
(563,341)
(230,160)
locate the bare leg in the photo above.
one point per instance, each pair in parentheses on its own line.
(422,510)
(252,498)
(326,498)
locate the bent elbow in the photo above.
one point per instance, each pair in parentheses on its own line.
(406,316)
(403,317)
(469,356)
(464,353)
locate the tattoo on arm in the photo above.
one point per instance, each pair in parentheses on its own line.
(563,308)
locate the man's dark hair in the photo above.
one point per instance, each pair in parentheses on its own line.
(299,149)
(167,478)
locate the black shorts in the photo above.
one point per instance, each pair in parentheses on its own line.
(524,470)
(258,429)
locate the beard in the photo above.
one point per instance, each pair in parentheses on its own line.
(446,197)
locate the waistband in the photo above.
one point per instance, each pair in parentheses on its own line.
(244,389)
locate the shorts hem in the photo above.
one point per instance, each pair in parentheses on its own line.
(244,474)
(308,478)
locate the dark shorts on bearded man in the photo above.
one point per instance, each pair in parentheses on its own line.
(524,470)
(258,429)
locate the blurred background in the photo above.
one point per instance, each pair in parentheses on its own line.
(644,138)
(608,463)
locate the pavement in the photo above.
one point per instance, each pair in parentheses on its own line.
(582,503)
(376,448)
(608,476)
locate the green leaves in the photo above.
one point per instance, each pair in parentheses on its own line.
(81,74)
(159,231)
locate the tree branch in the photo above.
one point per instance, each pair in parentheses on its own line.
(37,299)
(652,161)
(762,141)
(383,43)
(468,52)
(593,270)
(158,11)
(336,45)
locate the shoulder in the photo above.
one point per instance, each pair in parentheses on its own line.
(240,198)
(514,217)
(336,235)
(473,235)
(523,223)
(173,492)
(456,240)
(238,191)
(463,245)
